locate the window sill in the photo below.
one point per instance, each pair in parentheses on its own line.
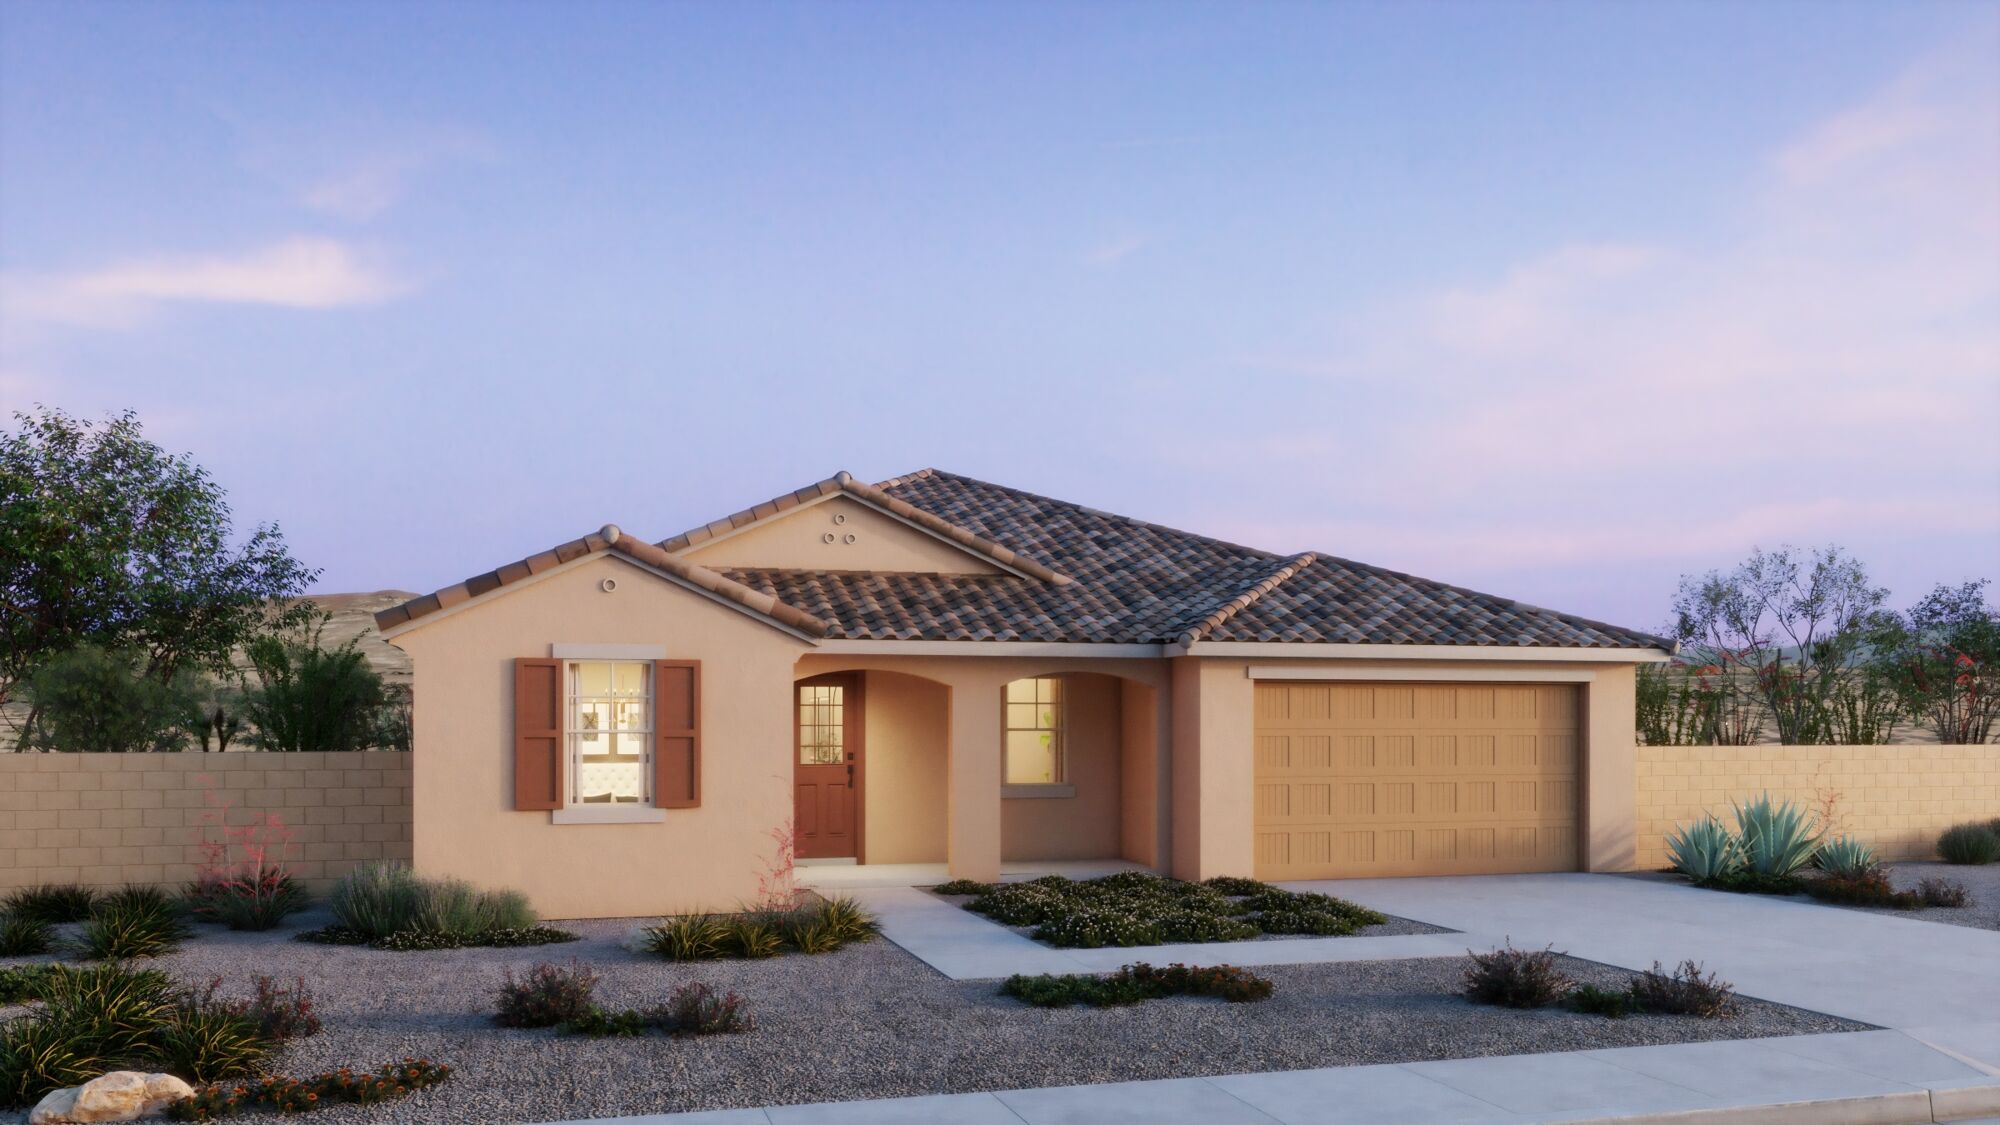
(608,814)
(1036,792)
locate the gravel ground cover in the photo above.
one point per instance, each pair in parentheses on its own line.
(872,1021)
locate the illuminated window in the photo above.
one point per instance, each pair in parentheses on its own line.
(1034,731)
(822,724)
(610,732)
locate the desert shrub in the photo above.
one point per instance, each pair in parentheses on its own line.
(1970,843)
(513,937)
(696,1009)
(376,899)
(752,936)
(282,1014)
(258,900)
(93,701)
(1686,991)
(1847,857)
(1704,851)
(110,1011)
(332,935)
(809,933)
(1303,922)
(1516,978)
(1019,904)
(1139,908)
(1942,892)
(1196,926)
(210,1042)
(1777,837)
(24,937)
(549,995)
(296,1095)
(21,983)
(1870,888)
(1236,886)
(310,698)
(1135,983)
(1746,882)
(957,887)
(687,937)
(1594,1001)
(51,903)
(385,900)
(600,1023)
(134,922)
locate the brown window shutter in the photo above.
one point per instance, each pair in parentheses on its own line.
(677,749)
(538,734)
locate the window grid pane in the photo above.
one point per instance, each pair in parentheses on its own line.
(610,731)
(822,724)
(1033,730)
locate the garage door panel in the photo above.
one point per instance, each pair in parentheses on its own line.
(1404,779)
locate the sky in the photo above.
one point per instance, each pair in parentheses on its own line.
(1559,301)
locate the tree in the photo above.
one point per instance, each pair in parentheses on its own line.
(1789,627)
(310,698)
(1942,659)
(91,701)
(107,540)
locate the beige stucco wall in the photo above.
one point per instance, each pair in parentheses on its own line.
(701,858)
(106,820)
(1214,770)
(1897,798)
(1144,785)
(1085,826)
(797,540)
(906,762)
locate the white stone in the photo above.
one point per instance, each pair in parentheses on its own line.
(122,1095)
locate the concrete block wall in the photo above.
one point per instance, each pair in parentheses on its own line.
(106,820)
(1897,798)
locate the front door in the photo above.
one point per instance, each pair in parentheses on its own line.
(827,769)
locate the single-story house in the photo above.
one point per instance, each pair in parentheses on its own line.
(939,670)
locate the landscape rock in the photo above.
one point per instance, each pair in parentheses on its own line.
(122,1095)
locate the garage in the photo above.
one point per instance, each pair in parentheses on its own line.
(1355,780)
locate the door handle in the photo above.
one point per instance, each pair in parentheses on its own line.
(850,775)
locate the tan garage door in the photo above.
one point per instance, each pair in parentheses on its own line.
(1365,779)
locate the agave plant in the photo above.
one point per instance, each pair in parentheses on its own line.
(1778,837)
(1846,857)
(1705,850)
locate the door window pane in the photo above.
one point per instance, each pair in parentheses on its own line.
(822,724)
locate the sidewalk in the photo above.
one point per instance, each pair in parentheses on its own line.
(1875,1077)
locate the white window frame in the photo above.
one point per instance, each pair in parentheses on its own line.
(641,812)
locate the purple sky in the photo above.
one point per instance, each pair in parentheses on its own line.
(1558,301)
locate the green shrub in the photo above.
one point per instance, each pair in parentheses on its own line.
(850,922)
(510,937)
(37,1056)
(1135,983)
(1236,886)
(1195,926)
(1686,991)
(258,900)
(687,937)
(1778,837)
(282,1014)
(332,935)
(1846,857)
(382,900)
(376,899)
(21,983)
(1094,929)
(134,922)
(600,1023)
(109,1011)
(1970,844)
(1516,978)
(1704,851)
(1138,908)
(92,701)
(297,1095)
(209,1042)
(957,887)
(1594,1001)
(310,698)
(752,936)
(549,995)
(1745,882)
(51,903)
(24,937)
(808,932)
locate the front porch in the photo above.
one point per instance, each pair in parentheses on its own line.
(911,771)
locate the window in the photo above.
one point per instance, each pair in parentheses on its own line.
(609,731)
(822,724)
(1034,731)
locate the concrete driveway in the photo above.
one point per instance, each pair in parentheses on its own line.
(1939,984)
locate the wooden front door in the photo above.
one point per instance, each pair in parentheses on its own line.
(827,766)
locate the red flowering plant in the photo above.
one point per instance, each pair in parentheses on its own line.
(1942,658)
(242,881)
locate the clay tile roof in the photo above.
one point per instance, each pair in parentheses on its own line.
(608,538)
(879,497)
(1138,582)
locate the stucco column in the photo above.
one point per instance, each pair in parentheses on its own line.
(972,785)
(1610,771)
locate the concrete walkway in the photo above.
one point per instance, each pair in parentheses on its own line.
(1934,988)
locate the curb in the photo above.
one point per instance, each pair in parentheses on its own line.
(1941,1101)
